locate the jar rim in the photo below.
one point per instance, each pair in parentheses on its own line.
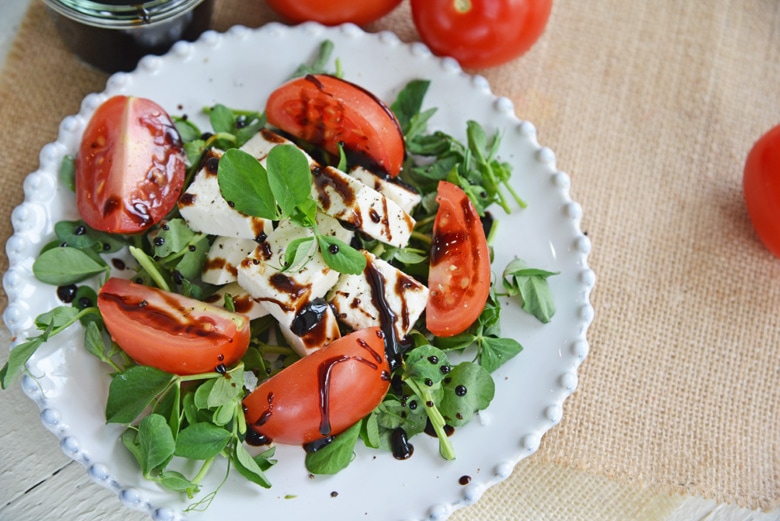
(121,15)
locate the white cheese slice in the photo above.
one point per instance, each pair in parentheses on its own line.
(223,258)
(205,210)
(289,295)
(356,306)
(345,198)
(242,301)
(406,197)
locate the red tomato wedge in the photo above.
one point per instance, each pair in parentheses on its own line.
(322,394)
(459,275)
(130,167)
(326,111)
(176,334)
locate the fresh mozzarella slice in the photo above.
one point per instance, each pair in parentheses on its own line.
(345,198)
(205,210)
(292,296)
(223,258)
(356,305)
(242,301)
(403,195)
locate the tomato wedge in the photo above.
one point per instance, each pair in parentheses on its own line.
(459,275)
(176,334)
(327,111)
(130,166)
(322,394)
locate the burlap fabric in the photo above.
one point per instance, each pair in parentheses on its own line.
(651,108)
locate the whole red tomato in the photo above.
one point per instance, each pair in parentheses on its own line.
(333,12)
(761,186)
(480,33)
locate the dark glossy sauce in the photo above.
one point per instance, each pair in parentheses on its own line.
(161,319)
(120,48)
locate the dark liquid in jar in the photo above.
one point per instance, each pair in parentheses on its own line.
(119,49)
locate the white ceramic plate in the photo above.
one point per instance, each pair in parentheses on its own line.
(240,68)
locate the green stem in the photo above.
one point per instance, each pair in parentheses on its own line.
(422,237)
(446,449)
(150,266)
(203,470)
(520,202)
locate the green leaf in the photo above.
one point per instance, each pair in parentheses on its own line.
(226,390)
(171,237)
(170,407)
(67,173)
(201,441)
(132,390)
(202,393)
(532,287)
(425,363)
(95,342)
(178,482)
(494,352)
(243,182)
(409,102)
(188,131)
(64,266)
(155,443)
(298,253)
(289,177)
(18,356)
(337,455)
(59,317)
(340,256)
(369,431)
(222,119)
(248,467)
(409,415)
(193,259)
(317,66)
(467,389)
(74,234)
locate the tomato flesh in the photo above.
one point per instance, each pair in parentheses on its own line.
(322,394)
(480,33)
(761,188)
(333,12)
(130,166)
(171,332)
(327,112)
(459,275)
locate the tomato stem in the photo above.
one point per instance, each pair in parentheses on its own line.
(462,6)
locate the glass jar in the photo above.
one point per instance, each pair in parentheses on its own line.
(113,35)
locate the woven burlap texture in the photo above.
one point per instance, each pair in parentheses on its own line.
(651,108)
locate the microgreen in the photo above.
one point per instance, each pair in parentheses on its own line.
(531,285)
(319,63)
(282,190)
(200,423)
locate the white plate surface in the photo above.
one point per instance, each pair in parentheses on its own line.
(239,69)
